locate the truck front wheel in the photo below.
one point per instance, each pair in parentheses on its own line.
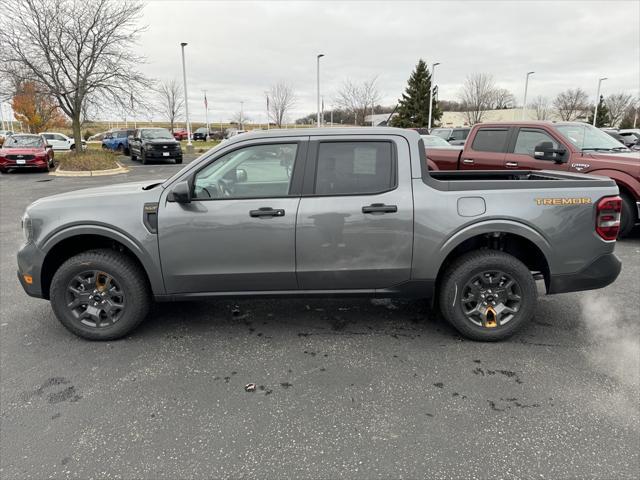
(100,295)
(487,295)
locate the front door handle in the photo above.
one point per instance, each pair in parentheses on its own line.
(267,212)
(467,161)
(511,164)
(379,208)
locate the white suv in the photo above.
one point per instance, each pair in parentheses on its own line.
(61,142)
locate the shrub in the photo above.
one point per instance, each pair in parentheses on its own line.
(87,160)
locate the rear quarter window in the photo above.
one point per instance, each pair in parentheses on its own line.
(490,140)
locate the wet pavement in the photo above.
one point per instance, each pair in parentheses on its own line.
(344,388)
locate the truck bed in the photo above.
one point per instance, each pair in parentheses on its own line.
(460,180)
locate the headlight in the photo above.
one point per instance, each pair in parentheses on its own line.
(27,228)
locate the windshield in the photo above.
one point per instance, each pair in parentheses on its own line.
(588,137)
(442,133)
(201,130)
(23,141)
(156,133)
(434,141)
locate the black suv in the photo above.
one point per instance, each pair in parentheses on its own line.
(154,144)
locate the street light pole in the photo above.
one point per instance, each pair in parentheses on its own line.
(595,114)
(206,113)
(526,87)
(186,99)
(267,95)
(318,57)
(433,71)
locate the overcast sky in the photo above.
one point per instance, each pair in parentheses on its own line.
(238,49)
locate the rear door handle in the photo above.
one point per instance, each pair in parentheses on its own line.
(267,212)
(511,164)
(379,208)
(468,161)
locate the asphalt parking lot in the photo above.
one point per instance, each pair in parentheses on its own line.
(346,388)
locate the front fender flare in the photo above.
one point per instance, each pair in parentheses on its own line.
(150,266)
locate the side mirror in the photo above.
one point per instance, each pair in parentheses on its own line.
(181,193)
(241,175)
(450,139)
(545,151)
(130,137)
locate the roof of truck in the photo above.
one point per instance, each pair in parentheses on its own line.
(297,132)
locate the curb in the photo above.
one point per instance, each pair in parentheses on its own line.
(58,172)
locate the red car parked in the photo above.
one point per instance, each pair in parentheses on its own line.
(180,134)
(24,151)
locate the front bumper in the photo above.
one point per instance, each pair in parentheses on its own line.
(601,272)
(30,261)
(31,164)
(159,154)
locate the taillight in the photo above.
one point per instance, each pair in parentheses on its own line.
(608,217)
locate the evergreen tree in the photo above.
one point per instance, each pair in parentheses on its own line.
(602,120)
(413,107)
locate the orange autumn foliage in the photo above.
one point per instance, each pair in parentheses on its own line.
(37,110)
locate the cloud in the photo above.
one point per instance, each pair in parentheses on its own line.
(238,49)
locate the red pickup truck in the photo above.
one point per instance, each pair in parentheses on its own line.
(566,146)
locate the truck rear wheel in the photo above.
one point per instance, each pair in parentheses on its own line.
(628,216)
(487,295)
(100,295)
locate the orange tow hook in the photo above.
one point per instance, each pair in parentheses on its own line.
(491,318)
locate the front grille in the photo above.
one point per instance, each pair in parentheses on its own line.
(166,148)
(20,157)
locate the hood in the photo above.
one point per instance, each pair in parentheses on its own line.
(91,195)
(22,151)
(163,141)
(632,156)
(629,160)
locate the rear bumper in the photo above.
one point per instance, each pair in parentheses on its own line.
(601,272)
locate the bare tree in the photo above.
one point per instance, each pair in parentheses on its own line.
(357,99)
(477,96)
(503,98)
(617,104)
(571,104)
(541,107)
(78,51)
(281,99)
(171,101)
(240,118)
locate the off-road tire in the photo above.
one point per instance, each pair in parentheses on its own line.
(628,217)
(464,269)
(143,157)
(125,271)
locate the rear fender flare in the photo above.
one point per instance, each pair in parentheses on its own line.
(490,226)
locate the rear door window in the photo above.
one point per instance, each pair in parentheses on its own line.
(490,140)
(348,168)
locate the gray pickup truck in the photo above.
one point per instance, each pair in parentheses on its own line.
(322,212)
